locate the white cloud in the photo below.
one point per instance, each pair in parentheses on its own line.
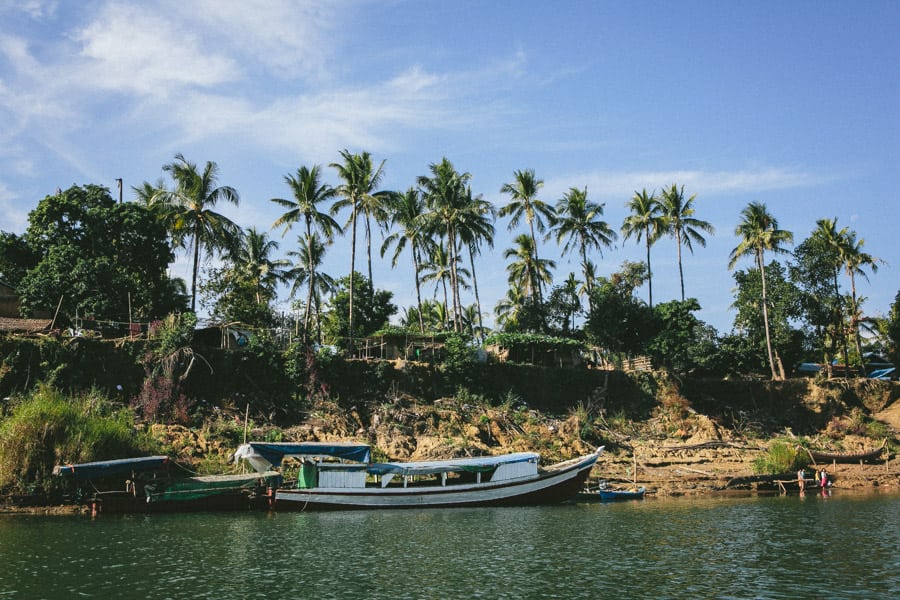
(695,182)
(133,49)
(36,9)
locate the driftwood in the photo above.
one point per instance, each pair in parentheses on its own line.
(706,446)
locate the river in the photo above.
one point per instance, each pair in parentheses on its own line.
(842,546)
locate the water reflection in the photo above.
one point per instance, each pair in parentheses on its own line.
(726,548)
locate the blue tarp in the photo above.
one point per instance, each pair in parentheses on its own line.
(273,452)
(111,468)
(453,465)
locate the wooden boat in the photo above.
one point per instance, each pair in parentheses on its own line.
(604,493)
(145,484)
(511,479)
(819,456)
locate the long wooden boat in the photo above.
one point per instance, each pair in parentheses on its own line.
(322,484)
(819,456)
(145,484)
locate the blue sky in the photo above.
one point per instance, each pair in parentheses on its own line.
(791,104)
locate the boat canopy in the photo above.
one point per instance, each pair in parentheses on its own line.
(479,464)
(264,455)
(110,468)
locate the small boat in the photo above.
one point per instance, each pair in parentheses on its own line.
(604,493)
(327,481)
(819,456)
(145,484)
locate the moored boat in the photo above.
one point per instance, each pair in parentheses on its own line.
(604,493)
(145,484)
(821,456)
(510,479)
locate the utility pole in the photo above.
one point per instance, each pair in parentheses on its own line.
(119,182)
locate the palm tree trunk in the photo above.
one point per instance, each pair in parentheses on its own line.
(762,275)
(855,324)
(589,285)
(312,277)
(477,299)
(415,255)
(194,274)
(539,286)
(681,275)
(841,330)
(369,255)
(649,270)
(352,274)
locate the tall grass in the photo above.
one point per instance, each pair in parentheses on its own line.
(781,458)
(46,428)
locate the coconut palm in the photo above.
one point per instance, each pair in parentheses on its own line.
(308,193)
(680,223)
(855,260)
(524,203)
(437,269)
(832,239)
(645,221)
(306,269)
(406,212)
(445,197)
(526,271)
(509,308)
(252,261)
(188,213)
(579,222)
(477,228)
(758,232)
(360,180)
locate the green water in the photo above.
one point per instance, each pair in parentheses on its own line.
(779,547)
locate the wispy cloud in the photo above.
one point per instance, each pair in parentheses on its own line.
(740,181)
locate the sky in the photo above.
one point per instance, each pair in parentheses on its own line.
(792,104)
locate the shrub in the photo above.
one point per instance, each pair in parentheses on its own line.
(780,458)
(45,429)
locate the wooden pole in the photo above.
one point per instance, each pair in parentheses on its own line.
(246,421)
(58,306)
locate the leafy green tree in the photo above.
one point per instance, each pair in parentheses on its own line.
(619,322)
(16,258)
(758,232)
(100,257)
(815,272)
(373,309)
(308,192)
(524,203)
(188,214)
(680,223)
(677,333)
(358,193)
(579,222)
(782,307)
(244,288)
(893,331)
(645,221)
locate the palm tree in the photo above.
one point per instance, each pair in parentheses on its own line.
(524,203)
(188,215)
(477,228)
(509,308)
(445,196)
(645,221)
(854,260)
(579,222)
(308,192)
(406,214)
(681,224)
(526,271)
(251,261)
(437,269)
(833,240)
(361,179)
(306,270)
(758,231)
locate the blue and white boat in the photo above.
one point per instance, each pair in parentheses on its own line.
(341,476)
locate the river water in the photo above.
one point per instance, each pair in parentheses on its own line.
(842,546)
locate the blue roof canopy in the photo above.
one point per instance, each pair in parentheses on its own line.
(274,452)
(110,468)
